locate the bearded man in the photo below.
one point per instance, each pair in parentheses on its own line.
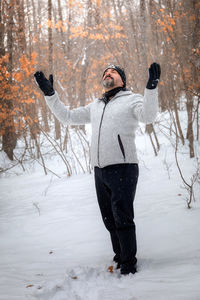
(114,118)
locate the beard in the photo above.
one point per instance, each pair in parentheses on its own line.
(108,83)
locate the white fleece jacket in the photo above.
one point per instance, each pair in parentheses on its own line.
(113,124)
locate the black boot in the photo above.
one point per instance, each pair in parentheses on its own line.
(128,268)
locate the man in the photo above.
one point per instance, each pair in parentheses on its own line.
(114,119)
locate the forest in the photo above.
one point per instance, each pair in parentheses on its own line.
(75,40)
(53,241)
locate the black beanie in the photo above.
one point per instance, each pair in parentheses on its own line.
(119,70)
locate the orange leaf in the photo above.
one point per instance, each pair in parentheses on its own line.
(172,22)
(98,3)
(49,24)
(192,18)
(33,55)
(170,28)
(18,76)
(110,269)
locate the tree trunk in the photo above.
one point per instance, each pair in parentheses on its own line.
(2,30)
(50,61)
(9,136)
(190,135)
(62,33)
(197,120)
(85,58)
(21,26)
(30,33)
(143,28)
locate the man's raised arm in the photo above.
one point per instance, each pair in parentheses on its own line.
(145,107)
(77,116)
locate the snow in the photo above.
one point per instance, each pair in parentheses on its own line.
(54,245)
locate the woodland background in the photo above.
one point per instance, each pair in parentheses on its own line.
(75,40)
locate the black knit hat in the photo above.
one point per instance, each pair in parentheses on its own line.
(119,70)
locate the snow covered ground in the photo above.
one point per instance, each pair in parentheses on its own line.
(53,245)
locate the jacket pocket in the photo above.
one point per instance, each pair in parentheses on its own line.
(121,146)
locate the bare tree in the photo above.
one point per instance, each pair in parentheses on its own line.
(9,135)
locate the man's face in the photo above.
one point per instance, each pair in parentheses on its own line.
(112,79)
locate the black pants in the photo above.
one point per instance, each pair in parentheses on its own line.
(115,188)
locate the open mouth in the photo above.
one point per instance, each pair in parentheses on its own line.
(108,77)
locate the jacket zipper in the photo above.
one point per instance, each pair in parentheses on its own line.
(99,132)
(121,147)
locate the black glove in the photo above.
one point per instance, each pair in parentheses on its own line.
(154,76)
(45,85)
